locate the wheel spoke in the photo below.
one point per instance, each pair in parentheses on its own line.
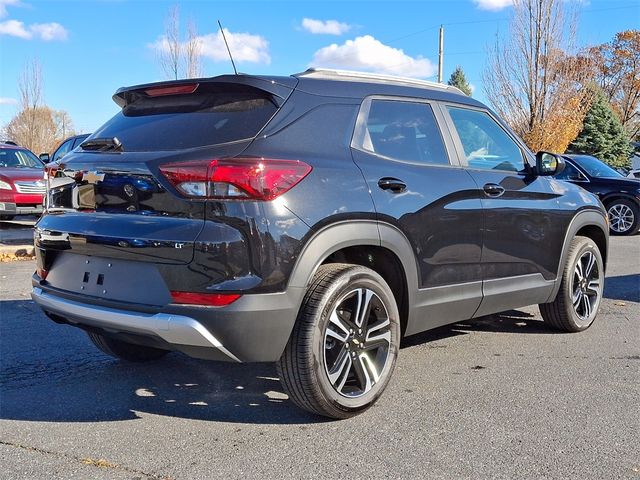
(340,372)
(577,296)
(579,270)
(365,371)
(364,307)
(587,306)
(376,327)
(593,287)
(591,261)
(340,325)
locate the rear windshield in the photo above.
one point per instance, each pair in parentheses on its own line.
(214,114)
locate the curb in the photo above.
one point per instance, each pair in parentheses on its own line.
(25,250)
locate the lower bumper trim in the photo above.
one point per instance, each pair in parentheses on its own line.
(174,329)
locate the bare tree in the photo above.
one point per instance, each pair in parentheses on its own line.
(30,88)
(36,126)
(178,57)
(63,123)
(193,49)
(535,80)
(170,52)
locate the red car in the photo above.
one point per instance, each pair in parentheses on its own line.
(22,184)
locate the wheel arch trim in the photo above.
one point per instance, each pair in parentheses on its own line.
(339,235)
(584,218)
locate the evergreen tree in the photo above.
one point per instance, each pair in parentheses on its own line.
(457,79)
(602,135)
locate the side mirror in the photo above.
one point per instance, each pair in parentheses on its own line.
(44,157)
(548,164)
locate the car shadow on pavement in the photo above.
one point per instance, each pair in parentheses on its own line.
(52,373)
(512,321)
(624,287)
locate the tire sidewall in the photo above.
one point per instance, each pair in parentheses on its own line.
(351,279)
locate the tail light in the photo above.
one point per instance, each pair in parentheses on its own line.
(211,299)
(42,273)
(235,178)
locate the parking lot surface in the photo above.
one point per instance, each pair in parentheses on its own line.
(497,397)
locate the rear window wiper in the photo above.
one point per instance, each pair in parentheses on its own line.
(107,144)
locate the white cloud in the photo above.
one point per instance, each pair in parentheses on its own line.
(44,31)
(49,31)
(4,4)
(367,53)
(329,27)
(244,47)
(8,101)
(493,5)
(14,28)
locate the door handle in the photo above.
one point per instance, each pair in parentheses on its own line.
(493,190)
(393,184)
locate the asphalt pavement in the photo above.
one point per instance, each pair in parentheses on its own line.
(498,397)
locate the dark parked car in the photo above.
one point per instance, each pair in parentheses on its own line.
(22,184)
(65,147)
(619,194)
(312,221)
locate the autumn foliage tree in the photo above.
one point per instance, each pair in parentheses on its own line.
(535,80)
(618,74)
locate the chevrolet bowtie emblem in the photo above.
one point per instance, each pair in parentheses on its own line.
(93,177)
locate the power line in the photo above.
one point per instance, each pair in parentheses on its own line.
(498,20)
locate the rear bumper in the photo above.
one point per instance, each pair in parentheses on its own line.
(256,328)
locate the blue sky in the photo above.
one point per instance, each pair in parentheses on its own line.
(89,48)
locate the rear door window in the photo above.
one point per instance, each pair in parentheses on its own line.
(404,130)
(213,114)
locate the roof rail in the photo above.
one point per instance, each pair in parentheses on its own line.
(334,74)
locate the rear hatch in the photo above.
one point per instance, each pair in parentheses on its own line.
(108,198)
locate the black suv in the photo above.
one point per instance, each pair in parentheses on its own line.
(311,220)
(620,195)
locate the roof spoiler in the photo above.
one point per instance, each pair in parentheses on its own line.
(280,87)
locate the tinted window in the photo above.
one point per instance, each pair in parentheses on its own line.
(404,131)
(19,159)
(595,167)
(213,114)
(486,145)
(62,150)
(570,173)
(79,140)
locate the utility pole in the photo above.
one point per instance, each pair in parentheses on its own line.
(440,54)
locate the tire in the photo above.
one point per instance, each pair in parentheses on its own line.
(624,217)
(124,350)
(576,305)
(330,367)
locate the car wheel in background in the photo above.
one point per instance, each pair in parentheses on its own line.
(624,217)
